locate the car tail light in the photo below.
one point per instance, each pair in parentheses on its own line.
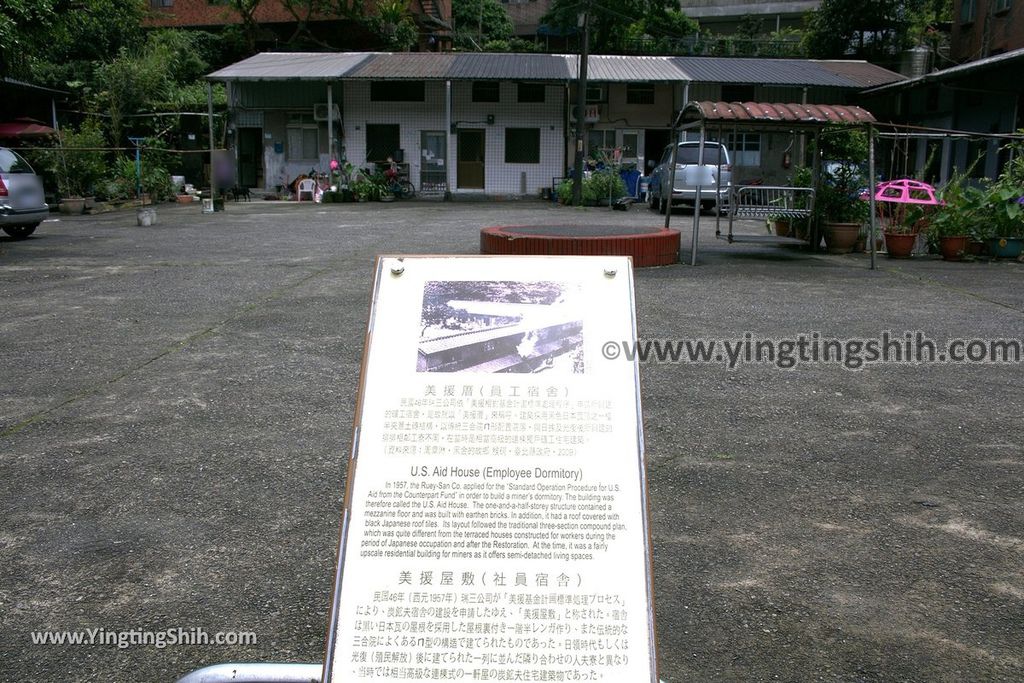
(3,188)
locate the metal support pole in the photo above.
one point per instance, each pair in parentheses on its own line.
(448,137)
(674,135)
(138,165)
(209,110)
(330,125)
(696,198)
(812,225)
(871,192)
(581,101)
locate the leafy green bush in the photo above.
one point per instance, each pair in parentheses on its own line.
(598,188)
(78,161)
(123,181)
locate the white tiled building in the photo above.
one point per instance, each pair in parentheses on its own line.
(495,124)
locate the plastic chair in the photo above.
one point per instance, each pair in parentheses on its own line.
(307,185)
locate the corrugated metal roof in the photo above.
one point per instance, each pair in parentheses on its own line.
(497,66)
(405,65)
(1006,58)
(758,71)
(861,74)
(319,66)
(29,86)
(763,112)
(622,68)
(277,66)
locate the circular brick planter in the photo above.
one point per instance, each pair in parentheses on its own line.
(647,246)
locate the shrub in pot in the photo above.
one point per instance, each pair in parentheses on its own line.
(840,209)
(957,219)
(1006,208)
(77,163)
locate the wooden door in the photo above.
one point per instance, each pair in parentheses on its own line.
(471,159)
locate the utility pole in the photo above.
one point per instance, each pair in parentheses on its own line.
(581,101)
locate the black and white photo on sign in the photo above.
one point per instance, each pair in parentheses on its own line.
(500,326)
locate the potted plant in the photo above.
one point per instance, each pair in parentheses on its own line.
(76,163)
(802,177)
(1005,208)
(840,209)
(956,219)
(905,208)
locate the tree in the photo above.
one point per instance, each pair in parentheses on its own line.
(478,22)
(54,42)
(869,29)
(246,10)
(613,22)
(20,23)
(394,25)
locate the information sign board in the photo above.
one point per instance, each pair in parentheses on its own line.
(495,521)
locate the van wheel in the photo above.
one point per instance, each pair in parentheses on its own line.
(20,232)
(652,202)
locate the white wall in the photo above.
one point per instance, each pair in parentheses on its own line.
(501,178)
(411,117)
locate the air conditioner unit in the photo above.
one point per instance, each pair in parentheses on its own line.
(320,112)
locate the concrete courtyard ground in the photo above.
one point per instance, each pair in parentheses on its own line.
(176,413)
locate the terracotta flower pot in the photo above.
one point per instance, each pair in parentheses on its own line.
(782,227)
(953,248)
(840,237)
(899,245)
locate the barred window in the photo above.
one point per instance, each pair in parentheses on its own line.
(396,91)
(522,145)
(381,141)
(486,91)
(531,92)
(639,93)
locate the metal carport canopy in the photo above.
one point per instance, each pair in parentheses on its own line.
(767,117)
(763,115)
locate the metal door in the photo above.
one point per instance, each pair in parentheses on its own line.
(434,159)
(250,157)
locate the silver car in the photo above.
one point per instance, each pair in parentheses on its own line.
(718,167)
(22,204)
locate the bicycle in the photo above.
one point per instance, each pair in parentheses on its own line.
(398,185)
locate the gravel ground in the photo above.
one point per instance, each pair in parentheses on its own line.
(176,416)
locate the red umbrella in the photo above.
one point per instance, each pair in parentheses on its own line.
(23,128)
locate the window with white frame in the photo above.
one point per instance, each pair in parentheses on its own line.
(1002,5)
(600,143)
(597,93)
(744,148)
(303,135)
